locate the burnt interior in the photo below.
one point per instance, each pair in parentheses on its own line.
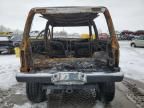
(61,48)
(85,65)
(69,53)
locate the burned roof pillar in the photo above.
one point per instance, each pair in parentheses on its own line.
(46,40)
(95,30)
(114,49)
(25,58)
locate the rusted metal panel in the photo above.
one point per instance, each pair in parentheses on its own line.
(25,58)
(69,10)
(114,41)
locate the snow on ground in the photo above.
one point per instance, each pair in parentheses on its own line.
(29,105)
(132,61)
(9,65)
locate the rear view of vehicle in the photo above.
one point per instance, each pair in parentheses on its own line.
(64,61)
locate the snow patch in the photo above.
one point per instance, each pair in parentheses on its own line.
(29,105)
(26,105)
(132,61)
(99,105)
(9,66)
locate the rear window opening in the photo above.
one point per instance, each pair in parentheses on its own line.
(75,47)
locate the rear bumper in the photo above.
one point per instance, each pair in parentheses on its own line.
(90,78)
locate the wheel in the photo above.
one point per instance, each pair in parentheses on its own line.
(35,93)
(133,45)
(107,92)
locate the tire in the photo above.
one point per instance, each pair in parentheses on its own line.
(133,45)
(107,92)
(35,93)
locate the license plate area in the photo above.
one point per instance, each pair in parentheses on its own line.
(69,78)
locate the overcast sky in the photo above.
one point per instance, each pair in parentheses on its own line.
(126,14)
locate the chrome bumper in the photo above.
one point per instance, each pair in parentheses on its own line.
(61,79)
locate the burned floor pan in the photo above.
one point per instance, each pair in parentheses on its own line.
(72,64)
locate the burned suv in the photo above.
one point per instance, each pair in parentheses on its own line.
(69,63)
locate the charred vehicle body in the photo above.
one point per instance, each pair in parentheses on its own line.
(69,63)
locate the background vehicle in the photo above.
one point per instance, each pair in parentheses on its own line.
(126,35)
(139,32)
(138,42)
(16,40)
(6,46)
(67,62)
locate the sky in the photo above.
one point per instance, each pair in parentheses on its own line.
(126,14)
